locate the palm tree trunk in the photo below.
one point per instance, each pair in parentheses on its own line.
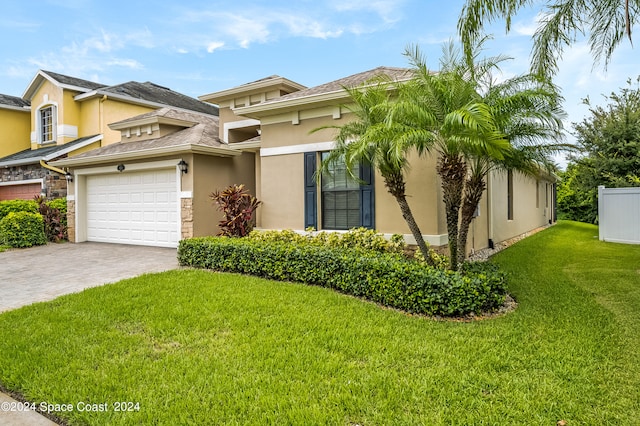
(452,170)
(396,186)
(474,188)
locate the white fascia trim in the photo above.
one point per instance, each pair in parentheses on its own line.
(297,149)
(295,102)
(22,162)
(145,154)
(73,148)
(67,130)
(130,167)
(15,108)
(22,182)
(238,125)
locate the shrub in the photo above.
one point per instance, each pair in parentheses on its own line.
(54,221)
(237,207)
(16,206)
(356,238)
(385,278)
(22,229)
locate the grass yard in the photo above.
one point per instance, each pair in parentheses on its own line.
(194,347)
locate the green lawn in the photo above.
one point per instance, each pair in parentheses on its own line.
(193,347)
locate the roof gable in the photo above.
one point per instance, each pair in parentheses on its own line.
(60,80)
(330,92)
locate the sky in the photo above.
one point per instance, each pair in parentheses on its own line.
(198,47)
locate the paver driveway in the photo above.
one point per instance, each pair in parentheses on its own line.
(43,273)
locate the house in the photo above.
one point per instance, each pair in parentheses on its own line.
(149,179)
(60,116)
(278,120)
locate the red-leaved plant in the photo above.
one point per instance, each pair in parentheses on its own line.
(54,227)
(237,207)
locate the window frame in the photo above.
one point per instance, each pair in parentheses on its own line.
(51,134)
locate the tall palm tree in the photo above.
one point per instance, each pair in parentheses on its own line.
(606,22)
(445,112)
(367,139)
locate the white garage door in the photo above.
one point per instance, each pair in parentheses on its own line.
(133,208)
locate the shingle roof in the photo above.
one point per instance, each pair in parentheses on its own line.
(351,81)
(14,101)
(154,93)
(73,81)
(41,153)
(204,133)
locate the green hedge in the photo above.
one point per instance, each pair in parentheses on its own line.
(8,206)
(385,278)
(22,229)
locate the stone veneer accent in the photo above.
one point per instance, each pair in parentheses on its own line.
(186,208)
(54,183)
(71,221)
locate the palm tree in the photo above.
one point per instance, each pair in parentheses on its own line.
(445,112)
(527,110)
(606,22)
(367,139)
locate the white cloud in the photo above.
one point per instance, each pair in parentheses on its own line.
(213,46)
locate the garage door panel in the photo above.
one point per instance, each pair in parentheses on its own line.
(133,208)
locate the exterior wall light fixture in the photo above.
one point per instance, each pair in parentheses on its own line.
(120,168)
(69,177)
(183,166)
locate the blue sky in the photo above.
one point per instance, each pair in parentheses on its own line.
(198,47)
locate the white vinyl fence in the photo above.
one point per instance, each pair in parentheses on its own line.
(619,214)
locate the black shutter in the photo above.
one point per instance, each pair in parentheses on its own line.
(367,197)
(310,191)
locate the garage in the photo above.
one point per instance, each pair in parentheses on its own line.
(20,192)
(138,207)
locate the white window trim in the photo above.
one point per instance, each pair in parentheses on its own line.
(54,124)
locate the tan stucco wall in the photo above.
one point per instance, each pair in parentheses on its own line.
(282,182)
(216,173)
(526,215)
(282,192)
(16,128)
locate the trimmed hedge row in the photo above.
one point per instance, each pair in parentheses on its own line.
(384,278)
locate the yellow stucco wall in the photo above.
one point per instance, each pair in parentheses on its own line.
(16,130)
(47,94)
(97,113)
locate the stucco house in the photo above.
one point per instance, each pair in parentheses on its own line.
(60,116)
(141,162)
(278,120)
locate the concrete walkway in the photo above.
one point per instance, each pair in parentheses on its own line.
(43,273)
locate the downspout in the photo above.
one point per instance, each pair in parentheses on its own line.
(52,168)
(490,208)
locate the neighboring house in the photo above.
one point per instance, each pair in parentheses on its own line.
(62,116)
(289,158)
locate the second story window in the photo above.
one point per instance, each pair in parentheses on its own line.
(47,124)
